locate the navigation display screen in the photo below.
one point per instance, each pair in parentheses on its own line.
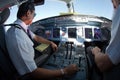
(88,33)
(97,33)
(48,33)
(40,32)
(56,32)
(72,32)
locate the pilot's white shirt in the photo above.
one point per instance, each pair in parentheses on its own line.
(20,48)
(113,49)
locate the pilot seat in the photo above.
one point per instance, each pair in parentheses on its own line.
(7,69)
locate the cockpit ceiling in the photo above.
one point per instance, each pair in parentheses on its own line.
(8,3)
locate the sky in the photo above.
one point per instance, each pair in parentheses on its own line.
(100,8)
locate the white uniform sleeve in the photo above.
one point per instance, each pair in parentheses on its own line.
(113,49)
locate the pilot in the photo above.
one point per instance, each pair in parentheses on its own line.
(108,62)
(21,51)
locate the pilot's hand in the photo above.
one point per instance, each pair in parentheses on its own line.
(54,46)
(96,50)
(71,69)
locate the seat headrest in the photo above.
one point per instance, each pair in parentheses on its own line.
(4,15)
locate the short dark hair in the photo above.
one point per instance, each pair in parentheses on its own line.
(24,7)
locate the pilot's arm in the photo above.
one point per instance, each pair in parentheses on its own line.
(40,39)
(102,60)
(112,53)
(43,40)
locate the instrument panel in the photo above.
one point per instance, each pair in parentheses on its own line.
(68,54)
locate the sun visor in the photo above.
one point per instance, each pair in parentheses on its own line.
(38,2)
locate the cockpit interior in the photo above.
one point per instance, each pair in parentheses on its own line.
(68,51)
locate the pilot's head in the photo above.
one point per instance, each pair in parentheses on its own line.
(26,12)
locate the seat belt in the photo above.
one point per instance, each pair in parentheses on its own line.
(20,27)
